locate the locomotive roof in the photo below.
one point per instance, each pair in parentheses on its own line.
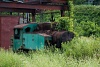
(20,26)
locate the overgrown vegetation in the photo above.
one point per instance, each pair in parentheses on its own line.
(66,23)
(82,47)
(80,52)
(87,20)
(87,13)
(87,28)
(9,59)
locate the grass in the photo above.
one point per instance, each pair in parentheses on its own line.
(9,59)
(47,58)
(82,46)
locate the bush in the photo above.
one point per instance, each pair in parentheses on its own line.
(82,47)
(64,24)
(87,28)
(86,19)
(87,13)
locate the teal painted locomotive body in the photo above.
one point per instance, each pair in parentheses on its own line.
(25,38)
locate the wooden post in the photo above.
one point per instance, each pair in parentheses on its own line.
(62,13)
(10,13)
(52,17)
(33,16)
(23,17)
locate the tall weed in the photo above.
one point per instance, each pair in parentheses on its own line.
(9,59)
(82,46)
(45,59)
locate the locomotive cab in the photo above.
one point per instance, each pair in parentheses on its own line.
(19,34)
(25,37)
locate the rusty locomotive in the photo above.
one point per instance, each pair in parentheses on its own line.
(36,36)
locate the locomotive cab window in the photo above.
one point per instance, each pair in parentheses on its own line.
(17,33)
(27,30)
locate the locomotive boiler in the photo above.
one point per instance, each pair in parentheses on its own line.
(33,36)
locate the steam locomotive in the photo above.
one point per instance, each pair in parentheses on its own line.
(34,36)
